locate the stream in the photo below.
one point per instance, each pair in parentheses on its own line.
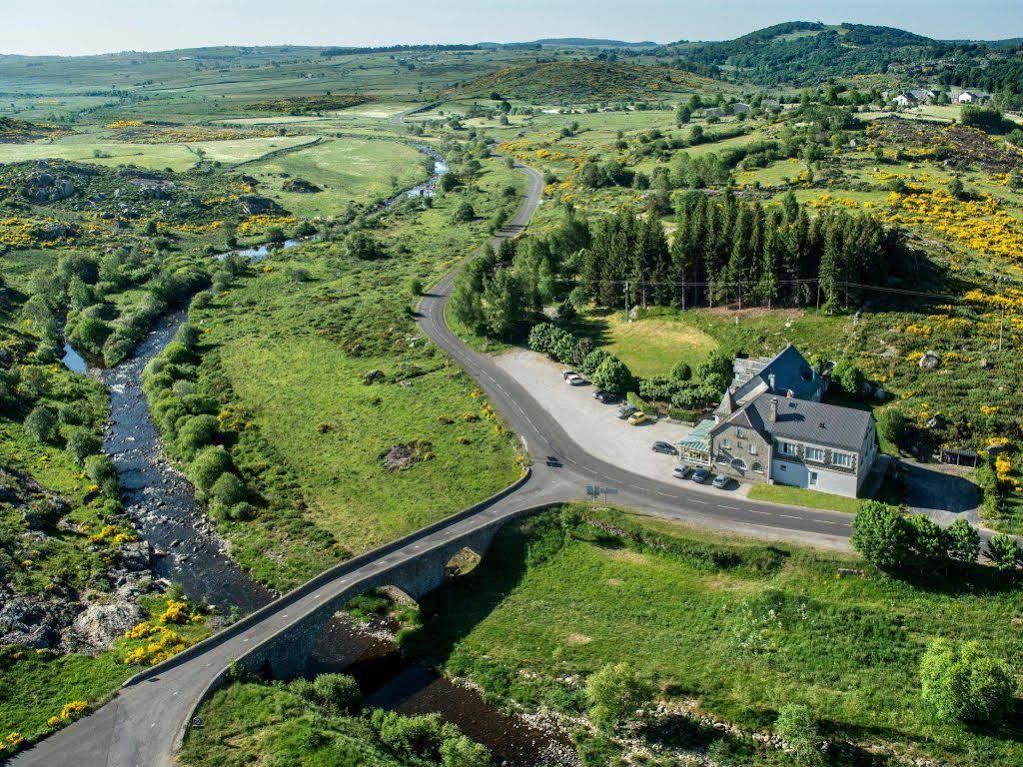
(161,504)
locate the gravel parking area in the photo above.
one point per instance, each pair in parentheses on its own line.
(594,425)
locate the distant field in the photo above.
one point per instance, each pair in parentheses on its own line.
(346,169)
(178,157)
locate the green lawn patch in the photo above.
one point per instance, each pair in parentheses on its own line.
(797,496)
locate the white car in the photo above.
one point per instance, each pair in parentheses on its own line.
(575,380)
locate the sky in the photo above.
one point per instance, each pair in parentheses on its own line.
(99,26)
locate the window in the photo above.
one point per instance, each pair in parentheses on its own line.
(815,454)
(752,448)
(726,444)
(787,448)
(842,459)
(722,458)
(739,465)
(782,467)
(813,479)
(740,433)
(759,467)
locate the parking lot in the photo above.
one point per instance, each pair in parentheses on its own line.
(594,426)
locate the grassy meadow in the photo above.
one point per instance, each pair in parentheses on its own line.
(736,627)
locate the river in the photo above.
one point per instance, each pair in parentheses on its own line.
(161,504)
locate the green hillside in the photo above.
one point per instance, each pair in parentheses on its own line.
(583,81)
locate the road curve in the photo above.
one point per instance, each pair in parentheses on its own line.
(142,724)
(543,436)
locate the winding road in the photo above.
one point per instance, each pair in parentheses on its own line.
(143,724)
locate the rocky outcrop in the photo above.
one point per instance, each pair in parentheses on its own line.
(46,187)
(100,624)
(255,205)
(301,186)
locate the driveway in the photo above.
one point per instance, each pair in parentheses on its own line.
(942,495)
(593,425)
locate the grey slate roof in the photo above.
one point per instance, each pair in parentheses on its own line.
(791,372)
(806,421)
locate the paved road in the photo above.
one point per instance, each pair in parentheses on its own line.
(141,725)
(543,436)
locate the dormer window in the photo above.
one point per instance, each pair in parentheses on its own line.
(740,433)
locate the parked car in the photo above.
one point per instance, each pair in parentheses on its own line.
(566,374)
(682,471)
(638,417)
(608,398)
(700,476)
(625,411)
(664,447)
(554,462)
(576,380)
(721,481)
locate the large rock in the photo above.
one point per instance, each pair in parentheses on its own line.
(99,625)
(30,622)
(47,187)
(136,556)
(255,205)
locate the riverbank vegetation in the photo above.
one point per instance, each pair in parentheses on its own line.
(729,629)
(322,721)
(307,410)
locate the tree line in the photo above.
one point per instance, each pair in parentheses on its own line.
(724,250)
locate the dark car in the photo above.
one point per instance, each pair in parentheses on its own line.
(700,476)
(608,398)
(664,447)
(554,462)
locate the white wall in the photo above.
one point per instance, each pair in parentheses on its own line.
(798,475)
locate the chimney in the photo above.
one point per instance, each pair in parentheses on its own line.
(770,381)
(774,409)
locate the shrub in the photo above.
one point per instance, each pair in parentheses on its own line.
(410,735)
(460,751)
(963,541)
(228,490)
(101,470)
(797,726)
(41,424)
(177,353)
(592,361)
(614,376)
(926,539)
(614,693)
(82,443)
(891,425)
(850,378)
(881,535)
(416,286)
(197,432)
(89,334)
(207,467)
(681,372)
(962,684)
(1004,552)
(464,212)
(338,692)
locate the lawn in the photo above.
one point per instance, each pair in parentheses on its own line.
(344,169)
(797,496)
(739,627)
(651,347)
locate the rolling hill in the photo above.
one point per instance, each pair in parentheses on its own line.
(807,53)
(566,82)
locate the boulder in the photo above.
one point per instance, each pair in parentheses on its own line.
(930,360)
(47,187)
(301,186)
(135,555)
(99,625)
(255,205)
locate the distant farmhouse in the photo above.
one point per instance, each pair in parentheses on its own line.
(714,112)
(971,97)
(772,427)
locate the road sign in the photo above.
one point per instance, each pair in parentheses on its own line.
(595,491)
